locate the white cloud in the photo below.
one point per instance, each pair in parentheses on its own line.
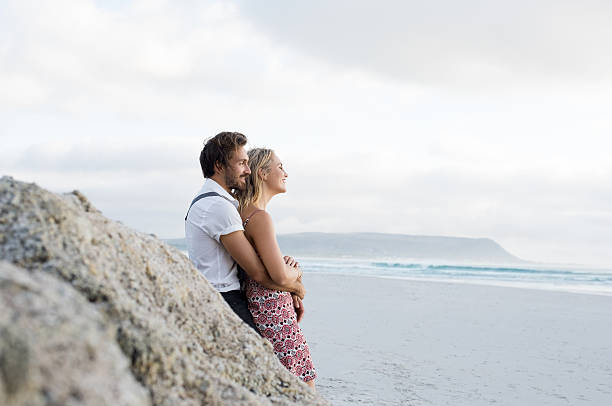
(146,59)
(470,43)
(99,157)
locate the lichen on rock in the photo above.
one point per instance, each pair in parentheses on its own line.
(181,341)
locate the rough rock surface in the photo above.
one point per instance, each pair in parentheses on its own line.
(183,343)
(57,348)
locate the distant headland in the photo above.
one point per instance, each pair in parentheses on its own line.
(363,245)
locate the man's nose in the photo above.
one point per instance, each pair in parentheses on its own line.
(248,170)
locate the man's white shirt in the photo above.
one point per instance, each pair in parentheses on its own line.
(208,219)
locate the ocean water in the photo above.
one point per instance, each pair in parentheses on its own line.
(554,277)
(565,278)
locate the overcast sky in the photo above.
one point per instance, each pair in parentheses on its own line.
(475,119)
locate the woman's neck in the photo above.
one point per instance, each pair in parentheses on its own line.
(263,199)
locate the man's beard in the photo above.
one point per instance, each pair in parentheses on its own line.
(233,182)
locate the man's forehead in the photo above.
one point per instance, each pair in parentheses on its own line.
(240,154)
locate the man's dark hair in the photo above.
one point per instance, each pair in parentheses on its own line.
(220,149)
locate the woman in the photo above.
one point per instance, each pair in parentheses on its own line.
(272,310)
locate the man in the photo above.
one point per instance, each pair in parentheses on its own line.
(213,228)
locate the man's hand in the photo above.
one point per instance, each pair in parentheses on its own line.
(299,291)
(299,307)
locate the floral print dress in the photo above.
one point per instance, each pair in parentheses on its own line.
(276,319)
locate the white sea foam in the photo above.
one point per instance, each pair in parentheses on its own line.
(567,278)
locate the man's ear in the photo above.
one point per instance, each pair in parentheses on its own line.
(218,167)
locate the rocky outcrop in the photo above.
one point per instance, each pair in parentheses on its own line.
(57,348)
(181,341)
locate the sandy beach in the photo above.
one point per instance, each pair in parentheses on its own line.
(397,342)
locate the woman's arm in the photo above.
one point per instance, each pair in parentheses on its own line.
(261,230)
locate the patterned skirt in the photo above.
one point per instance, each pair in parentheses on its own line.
(275,318)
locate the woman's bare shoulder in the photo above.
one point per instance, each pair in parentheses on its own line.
(260,223)
(260,217)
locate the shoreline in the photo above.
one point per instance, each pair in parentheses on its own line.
(498,284)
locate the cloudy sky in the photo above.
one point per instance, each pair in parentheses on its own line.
(476,119)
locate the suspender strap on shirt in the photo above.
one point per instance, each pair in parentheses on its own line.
(203,195)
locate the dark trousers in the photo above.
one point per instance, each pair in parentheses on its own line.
(237,300)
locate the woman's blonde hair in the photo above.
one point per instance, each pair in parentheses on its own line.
(259,160)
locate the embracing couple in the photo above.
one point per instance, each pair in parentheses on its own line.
(231,240)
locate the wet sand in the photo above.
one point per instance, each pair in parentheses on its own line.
(397,342)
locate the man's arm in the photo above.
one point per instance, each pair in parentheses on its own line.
(244,254)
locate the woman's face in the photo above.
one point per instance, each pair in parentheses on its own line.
(276,177)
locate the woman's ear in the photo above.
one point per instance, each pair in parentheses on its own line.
(262,174)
